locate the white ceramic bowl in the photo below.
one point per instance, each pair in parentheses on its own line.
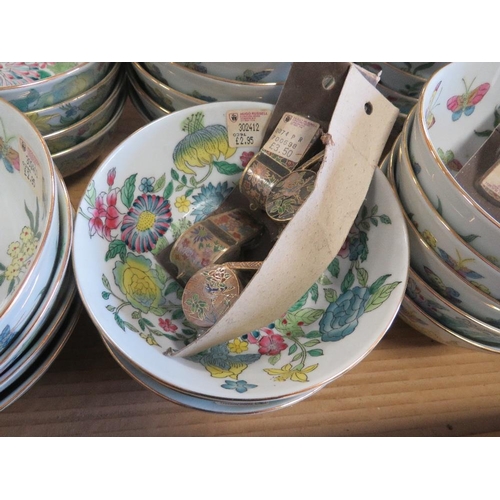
(168,98)
(211,89)
(422,69)
(450,316)
(72,160)
(37,92)
(411,314)
(30,222)
(147,107)
(114,261)
(434,131)
(62,115)
(243,71)
(90,125)
(447,244)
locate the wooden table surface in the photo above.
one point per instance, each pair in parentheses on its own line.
(408,385)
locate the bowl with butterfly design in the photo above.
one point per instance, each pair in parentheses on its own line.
(456,113)
(29,225)
(445,279)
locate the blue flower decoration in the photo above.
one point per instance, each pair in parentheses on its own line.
(6,337)
(240,386)
(147,184)
(209,199)
(341,317)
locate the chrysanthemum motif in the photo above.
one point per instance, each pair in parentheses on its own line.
(209,199)
(148,219)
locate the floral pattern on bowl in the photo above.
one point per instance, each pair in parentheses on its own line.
(20,73)
(127,216)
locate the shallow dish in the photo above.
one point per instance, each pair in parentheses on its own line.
(442,140)
(62,115)
(411,314)
(71,79)
(90,125)
(30,226)
(207,89)
(243,71)
(14,342)
(308,347)
(72,160)
(165,96)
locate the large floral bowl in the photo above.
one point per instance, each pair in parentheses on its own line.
(62,115)
(30,86)
(167,97)
(174,172)
(29,225)
(197,85)
(455,115)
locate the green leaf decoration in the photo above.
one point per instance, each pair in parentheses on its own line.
(314,292)
(347,282)
(174,175)
(314,334)
(29,213)
(307,316)
(362,276)
(172,287)
(311,343)
(178,314)
(324,280)
(136,315)
(469,237)
(293,348)
(119,322)
(2,279)
(315,352)
(300,303)
(374,210)
(169,190)
(297,357)
(378,283)
(184,179)
(331,295)
(274,359)
(161,244)
(385,219)
(131,327)
(105,282)
(128,190)
(365,225)
(334,267)
(161,274)
(226,168)
(380,296)
(374,221)
(105,295)
(2,267)
(364,212)
(159,184)
(116,247)
(483,133)
(482,287)
(111,308)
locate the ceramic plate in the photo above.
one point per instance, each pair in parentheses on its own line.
(174,172)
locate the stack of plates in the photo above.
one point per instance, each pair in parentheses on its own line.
(38,299)
(75,106)
(453,292)
(158,88)
(157,183)
(402,82)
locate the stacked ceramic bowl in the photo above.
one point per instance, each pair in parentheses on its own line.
(453,292)
(38,300)
(402,82)
(188,166)
(158,88)
(75,106)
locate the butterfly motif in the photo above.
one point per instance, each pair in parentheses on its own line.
(459,265)
(437,284)
(466,103)
(9,156)
(429,115)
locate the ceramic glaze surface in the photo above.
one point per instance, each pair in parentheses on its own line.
(20,73)
(130,213)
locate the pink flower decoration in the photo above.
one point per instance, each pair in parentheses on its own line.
(105,215)
(272,344)
(245,157)
(167,325)
(111,176)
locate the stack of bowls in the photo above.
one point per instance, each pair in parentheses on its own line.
(188,167)
(38,299)
(159,88)
(402,82)
(453,292)
(75,106)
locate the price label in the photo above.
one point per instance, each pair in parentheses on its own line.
(291,138)
(246,127)
(30,168)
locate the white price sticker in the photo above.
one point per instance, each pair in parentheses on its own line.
(292,137)
(30,168)
(246,127)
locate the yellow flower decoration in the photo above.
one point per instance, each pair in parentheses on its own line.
(26,234)
(232,372)
(237,346)
(288,372)
(182,204)
(14,249)
(12,271)
(429,238)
